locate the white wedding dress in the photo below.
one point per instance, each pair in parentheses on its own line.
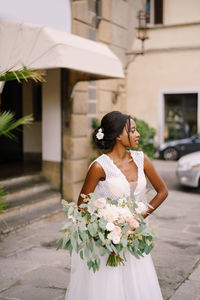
(137,280)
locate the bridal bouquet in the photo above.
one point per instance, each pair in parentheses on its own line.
(106,227)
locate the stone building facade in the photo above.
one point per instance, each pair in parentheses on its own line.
(59,140)
(163,84)
(114,23)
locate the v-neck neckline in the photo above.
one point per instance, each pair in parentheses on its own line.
(122,172)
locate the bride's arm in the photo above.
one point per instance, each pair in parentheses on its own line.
(93,176)
(157,183)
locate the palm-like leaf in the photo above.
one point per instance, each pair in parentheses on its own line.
(8,123)
(7,120)
(36,75)
(3,205)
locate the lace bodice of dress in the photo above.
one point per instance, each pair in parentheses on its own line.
(116,183)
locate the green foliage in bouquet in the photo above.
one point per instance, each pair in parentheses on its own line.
(105,227)
(147,134)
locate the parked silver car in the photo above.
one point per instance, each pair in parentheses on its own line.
(188,169)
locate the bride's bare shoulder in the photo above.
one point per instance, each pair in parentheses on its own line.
(96,169)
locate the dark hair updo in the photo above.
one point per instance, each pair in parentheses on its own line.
(112,125)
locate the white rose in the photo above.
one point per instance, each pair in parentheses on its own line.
(100,203)
(109,213)
(125,213)
(116,239)
(118,187)
(110,236)
(110,226)
(142,208)
(100,135)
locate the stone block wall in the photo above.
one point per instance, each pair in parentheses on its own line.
(96,98)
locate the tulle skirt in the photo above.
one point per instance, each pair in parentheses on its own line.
(137,280)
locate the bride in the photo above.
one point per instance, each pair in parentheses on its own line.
(137,280)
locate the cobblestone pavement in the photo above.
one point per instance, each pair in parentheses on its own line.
(31,269)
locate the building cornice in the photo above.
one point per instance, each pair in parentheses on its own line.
(163,26)
(170,49)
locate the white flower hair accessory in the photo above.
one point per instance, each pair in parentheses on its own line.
(100,134)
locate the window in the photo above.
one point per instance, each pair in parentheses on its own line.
(154,9)
(180,116)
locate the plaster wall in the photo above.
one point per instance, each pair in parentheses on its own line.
(181,11)
(51,117)
(170,37)
(154,72)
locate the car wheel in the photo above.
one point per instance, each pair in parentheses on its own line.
(170,154)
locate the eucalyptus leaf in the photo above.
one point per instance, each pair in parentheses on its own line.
(94,267)
(124,242)
(67,245)
(83,205)
(125,228)
(83,235)
(81,254)
(67,225)
(64,202)
(136,254)
(108,245)
(102,251)
(147,249)
(102,224)
(65,240)
(59,245)
(71,209)
(73,228)
(93,218)
(91,229)
(101,236)
(98,263)
(74,241)
(90,263)
(70,249)
(95,227)
(86,253)
(114,249)
(124,256)
(91,247)
(80,246)
(98,243)
(94,255)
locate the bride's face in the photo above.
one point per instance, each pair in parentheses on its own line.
(131,139)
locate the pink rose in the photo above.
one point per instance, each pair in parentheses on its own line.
(133,223)
(121,221)
(117,230)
